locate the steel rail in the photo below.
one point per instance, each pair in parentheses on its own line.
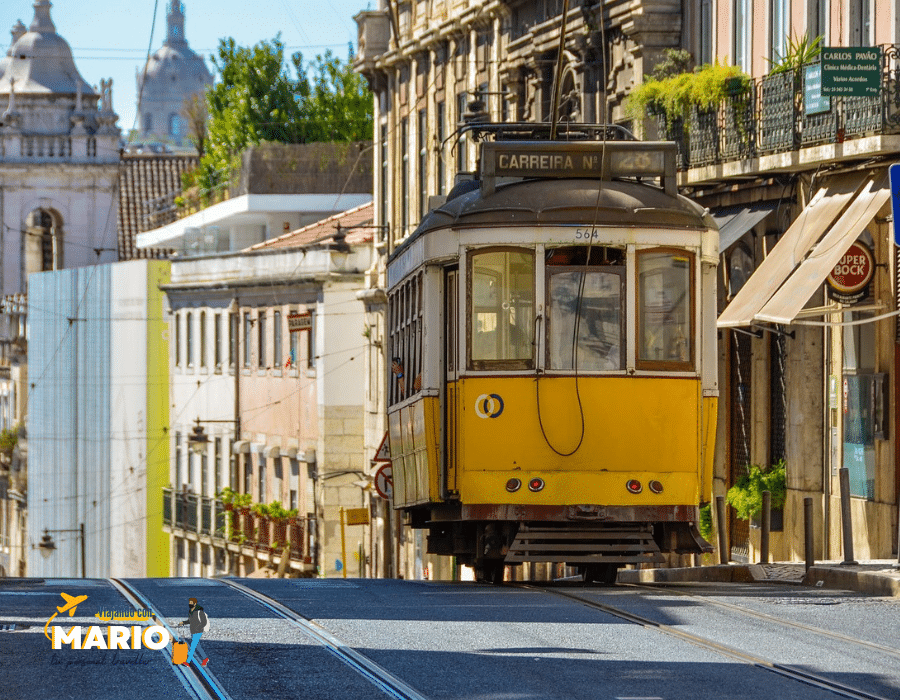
(771,618)
(196,679)
(805,677)
(377,675)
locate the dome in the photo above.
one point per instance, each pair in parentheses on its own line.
(40,60)
(189,70)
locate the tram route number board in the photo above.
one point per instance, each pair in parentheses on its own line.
(384,481)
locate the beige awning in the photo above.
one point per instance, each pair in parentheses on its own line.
(801,236)
(787,302)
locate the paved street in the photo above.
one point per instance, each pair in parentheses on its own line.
(465,640)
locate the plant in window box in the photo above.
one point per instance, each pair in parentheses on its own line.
(227,495)
(279,517)
(746,494)
(261,511)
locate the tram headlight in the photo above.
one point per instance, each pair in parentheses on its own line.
(634,486)
(513,485)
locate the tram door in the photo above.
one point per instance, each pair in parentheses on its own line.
(452,324)
(739,424)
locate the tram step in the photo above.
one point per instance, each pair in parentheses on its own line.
(584,546)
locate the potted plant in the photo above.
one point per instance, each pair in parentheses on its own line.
(261,511)
(227,495)
(746,494)
(279,517)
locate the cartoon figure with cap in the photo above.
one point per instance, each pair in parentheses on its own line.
(199,624)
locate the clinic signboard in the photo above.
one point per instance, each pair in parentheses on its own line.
(852,71)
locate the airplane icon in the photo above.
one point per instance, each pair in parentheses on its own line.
(71,603)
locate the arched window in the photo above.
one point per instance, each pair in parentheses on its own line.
(148,122)
(43,242)
(174,126)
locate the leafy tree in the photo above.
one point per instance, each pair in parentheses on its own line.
(256,99)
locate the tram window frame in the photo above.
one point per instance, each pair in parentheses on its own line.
(669,365)
(619,271)
(406,321)
(525,363)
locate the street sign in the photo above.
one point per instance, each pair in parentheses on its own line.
(851,71)
(384,481)
(814,102)
(299,322)
(894,174)
(383,454)
(357,516)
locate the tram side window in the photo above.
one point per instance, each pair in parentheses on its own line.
(665,302)
(501,309)
(405,319)
(589,300)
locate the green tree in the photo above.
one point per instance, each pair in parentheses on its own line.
(257,99)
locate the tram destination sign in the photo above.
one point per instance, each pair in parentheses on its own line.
(534,159)
(852,71)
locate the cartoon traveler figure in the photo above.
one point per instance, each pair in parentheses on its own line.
(199,624)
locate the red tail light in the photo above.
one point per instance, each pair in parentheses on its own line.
(536,484)
(634,486)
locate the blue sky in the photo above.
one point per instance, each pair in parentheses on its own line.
(109,38)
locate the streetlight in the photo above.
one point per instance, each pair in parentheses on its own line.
(47,546)
(198,440)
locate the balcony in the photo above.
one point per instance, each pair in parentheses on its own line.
(239,530)
(773,128)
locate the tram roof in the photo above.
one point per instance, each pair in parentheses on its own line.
(579,201)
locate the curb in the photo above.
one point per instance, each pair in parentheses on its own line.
(850,580)
(831,577)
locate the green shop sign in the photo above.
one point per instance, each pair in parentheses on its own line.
(851,71)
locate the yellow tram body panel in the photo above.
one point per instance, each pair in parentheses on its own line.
(415,453)
(643,428)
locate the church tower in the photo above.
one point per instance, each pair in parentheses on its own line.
(59,158)
(172,75)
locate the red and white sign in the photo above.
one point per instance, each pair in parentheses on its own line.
(299,322)
(850,277)
(383,454)
(384,481)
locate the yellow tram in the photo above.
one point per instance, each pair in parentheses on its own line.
(552,392)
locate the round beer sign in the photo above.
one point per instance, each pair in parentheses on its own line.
(849,280)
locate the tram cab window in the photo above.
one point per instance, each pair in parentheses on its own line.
(501,309)
(665,302)
(585,300)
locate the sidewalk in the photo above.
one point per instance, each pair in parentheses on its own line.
(880,577)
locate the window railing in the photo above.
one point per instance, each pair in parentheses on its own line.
(772,118)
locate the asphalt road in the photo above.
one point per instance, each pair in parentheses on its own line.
(464,640)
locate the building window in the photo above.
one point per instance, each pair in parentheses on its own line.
(664,303)
(741,24)
(148,122)
(218,484)
(441,135)
(232,466)
(177,482)
(817,19)
(248,473)
(404,177)
(461,143)
(203,339)
(177,322)
(261,478)
(779,27)
(217,340)
(261,337)
(204,472)
(277,340)
(175,126)
(232,339)
(706,29)
(422,135)
(383,204)
(860,23)
(311,341)
(248,326)
(189,338)
(295,348)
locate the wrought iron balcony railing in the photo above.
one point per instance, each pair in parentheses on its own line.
(774,117)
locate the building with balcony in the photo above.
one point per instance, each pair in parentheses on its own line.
(267,391)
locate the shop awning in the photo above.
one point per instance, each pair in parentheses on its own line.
(735,221)
(787,302)
(822,210)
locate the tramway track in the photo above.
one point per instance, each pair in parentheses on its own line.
(373,672)
(197,680)
(771,618)
(795,674)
